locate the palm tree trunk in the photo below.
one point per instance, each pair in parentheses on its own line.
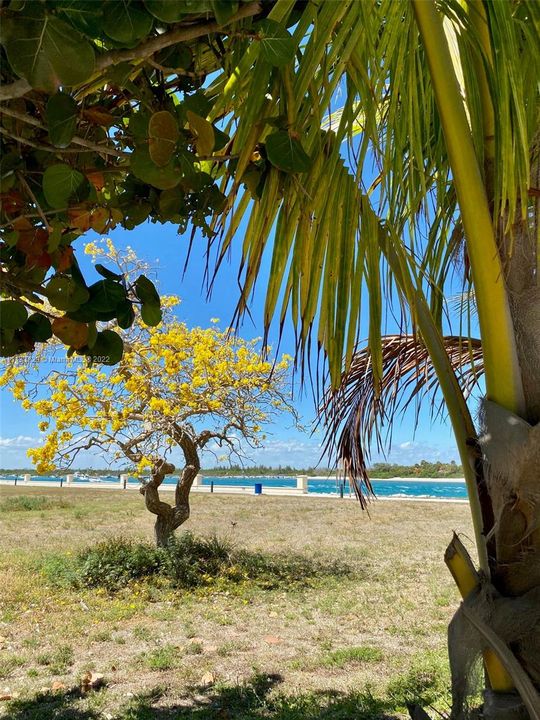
(512,450)
(505,279)
(514,474)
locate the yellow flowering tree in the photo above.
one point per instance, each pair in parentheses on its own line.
(176,388)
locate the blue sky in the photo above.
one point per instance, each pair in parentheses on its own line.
(165,250)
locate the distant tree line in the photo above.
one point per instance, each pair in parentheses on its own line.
(423,469)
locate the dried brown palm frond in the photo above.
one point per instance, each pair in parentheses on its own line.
(356,413)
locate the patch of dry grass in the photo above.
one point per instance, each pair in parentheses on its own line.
(343,646)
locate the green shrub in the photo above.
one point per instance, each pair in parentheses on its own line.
(114,563)
(187,562)
(275,570)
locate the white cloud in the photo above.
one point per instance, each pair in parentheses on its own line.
(275,452)
(21,441)
(414,451)
(300,451)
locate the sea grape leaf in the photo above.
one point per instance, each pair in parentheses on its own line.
(146,290)
(146,170)
(176,57)
(138,126)
(119,74)
(277,44)
(148,295)
(224,10)
(108,274)
(13,314)
(46,51)
(165,10)
(125,315)
(105,296)
(163,135)
(195,6)
(171,202)
(66,294)
(198,103)
(126,22)
(38,327)
(205,133)
(55,236)
(85,15)
(70,332)
(287,153)
(107,348)
(99,219)
(61,116)
(92,334)
(151,314)
(60,182)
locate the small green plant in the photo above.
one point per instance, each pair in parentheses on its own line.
(194,648)
(227,649)
(163,658)
(8,663)
(343,656)
(190,561)
(59,570)
(44,659)
(142,633)
(58,661)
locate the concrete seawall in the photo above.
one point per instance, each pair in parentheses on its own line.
(299,491)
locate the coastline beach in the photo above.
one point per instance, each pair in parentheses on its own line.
(424,489)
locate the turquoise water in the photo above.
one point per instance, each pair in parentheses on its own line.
(441,489)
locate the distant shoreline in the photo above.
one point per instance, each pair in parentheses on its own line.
(239,491)
(8,478)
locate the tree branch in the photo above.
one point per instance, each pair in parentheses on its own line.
(33,198)
(146,49)
(150,491)
(38,146)
(204,438)
(75,141)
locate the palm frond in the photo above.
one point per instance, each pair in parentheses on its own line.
(360,98)
(356,414)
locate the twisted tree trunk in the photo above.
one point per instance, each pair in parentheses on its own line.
(170,517)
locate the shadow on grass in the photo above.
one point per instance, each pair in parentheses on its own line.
(250,701)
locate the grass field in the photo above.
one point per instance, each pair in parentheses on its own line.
(354,628)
